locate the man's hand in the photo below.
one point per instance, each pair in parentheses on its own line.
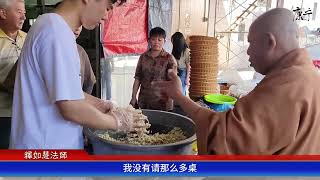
(171,88)
(104,106)
(128,119)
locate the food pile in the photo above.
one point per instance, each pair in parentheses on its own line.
(141,135)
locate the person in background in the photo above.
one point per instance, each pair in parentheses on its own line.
(12,17)
(281,115)
(181,53)
(49,106)
(87,76)
(153,65)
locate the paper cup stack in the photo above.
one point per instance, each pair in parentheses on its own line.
(204,66)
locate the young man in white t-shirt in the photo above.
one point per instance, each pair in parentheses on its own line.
(49,107)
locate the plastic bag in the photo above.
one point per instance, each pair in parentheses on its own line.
(242,88)
(230,77)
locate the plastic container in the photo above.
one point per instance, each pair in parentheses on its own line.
(219,102)
(220,99)
(161,122)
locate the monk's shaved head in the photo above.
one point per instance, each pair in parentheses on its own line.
(271,36)
(280,22)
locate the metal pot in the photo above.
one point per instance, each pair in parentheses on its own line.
(160,122)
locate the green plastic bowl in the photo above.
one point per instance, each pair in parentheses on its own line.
(220,99)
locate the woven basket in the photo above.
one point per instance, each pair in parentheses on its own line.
(201,94)
(202,88)
(205,40)
(199,74)
(207,52)
(211,81)
(202,38)
(202,50)
(200,67)
(204,65)
(203,44)
(194,61)
(204,53)
(207,71)
(200,91)
(204,70)
(205,83)
(206,78)
(203,59)
(197,54)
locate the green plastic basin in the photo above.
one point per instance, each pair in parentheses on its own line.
(220,99)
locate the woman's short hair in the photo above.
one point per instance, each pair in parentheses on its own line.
(157,31)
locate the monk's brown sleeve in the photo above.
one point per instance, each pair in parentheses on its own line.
(204,119)
(262,123)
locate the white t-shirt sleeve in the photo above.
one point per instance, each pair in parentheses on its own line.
(60,67)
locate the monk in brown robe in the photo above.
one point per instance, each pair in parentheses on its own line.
(281,115)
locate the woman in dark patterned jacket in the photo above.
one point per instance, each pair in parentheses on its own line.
(153,65)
